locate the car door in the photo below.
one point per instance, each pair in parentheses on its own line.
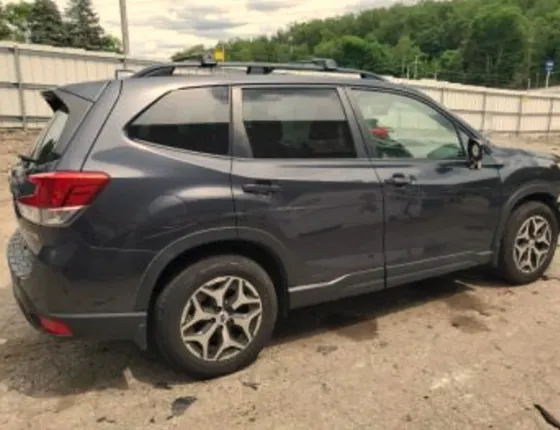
(301,175)
(440,215)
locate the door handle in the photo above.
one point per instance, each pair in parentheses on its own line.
(261,188)
(399,179)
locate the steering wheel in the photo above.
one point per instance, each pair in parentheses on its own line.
(392,149)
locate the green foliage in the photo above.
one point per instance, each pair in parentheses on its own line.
(5,31)
(45,24)
(500,43)
(40,21)
(18,17)
(193,50)
(110,43)
(82,26)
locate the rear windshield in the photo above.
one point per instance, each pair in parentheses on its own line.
(46,143)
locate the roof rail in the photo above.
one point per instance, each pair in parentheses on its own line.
(207,61)
(327,63)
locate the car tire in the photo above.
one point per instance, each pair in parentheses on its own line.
(192,327)
(513,265)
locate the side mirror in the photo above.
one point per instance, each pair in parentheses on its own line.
(475,153)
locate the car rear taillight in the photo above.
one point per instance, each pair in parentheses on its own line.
(58,196)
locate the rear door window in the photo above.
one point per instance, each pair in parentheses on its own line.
(296,123)
(194,119)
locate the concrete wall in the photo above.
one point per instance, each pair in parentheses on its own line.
(25,70)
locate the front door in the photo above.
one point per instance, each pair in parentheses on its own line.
(440,215)
(301,174)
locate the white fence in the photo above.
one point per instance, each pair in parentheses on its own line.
(25,70)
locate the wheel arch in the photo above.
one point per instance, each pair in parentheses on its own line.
(534,192)
(257,245)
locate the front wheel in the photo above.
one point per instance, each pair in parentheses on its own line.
(216,316)
(528,243)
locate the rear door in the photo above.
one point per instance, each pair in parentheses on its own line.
(300,173)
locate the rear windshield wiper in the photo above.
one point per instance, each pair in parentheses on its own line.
(52,156)
(27,159)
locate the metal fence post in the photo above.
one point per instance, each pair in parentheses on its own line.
(483,122)
(550,112)
(519,115)
(19,82)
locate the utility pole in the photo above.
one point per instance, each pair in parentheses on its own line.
(416,67)
(124,30)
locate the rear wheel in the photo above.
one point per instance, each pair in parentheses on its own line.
(528,243)
(215,317)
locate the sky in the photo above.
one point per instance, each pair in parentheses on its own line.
(159,28)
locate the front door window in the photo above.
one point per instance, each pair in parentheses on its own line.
(402,127)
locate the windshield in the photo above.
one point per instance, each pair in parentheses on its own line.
(47,141)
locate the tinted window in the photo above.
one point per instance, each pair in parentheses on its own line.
(47,141)
(195,119)
(296,123)
(402,127)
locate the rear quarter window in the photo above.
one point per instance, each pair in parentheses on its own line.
(47,144)
(194,119)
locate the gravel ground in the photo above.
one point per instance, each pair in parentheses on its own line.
(458,352)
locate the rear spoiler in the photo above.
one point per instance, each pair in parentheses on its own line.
(90,91)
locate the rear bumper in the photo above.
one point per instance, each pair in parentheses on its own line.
(31,287)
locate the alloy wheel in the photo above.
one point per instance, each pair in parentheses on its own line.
(221,318)
(532,244)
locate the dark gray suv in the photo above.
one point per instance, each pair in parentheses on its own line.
(193,210)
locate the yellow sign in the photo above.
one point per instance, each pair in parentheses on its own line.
(219,54)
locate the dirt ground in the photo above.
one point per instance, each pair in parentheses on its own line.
(458,352)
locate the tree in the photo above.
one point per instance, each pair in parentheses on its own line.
(110,43)
(497,46)
(379,57)
(45,24)
(189,52)
(405,54)
(451,65)
(5,31)
(82,25)
(18,16)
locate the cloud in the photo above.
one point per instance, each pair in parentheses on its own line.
(370,4)
(197,10)
(270,5)
(188,25)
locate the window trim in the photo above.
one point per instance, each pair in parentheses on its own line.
(227,155)
(241,146)
(439,109)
